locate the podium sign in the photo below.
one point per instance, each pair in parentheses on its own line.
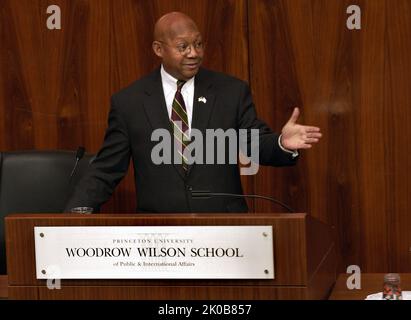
(154,252)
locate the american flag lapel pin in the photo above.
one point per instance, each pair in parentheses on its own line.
(202,99)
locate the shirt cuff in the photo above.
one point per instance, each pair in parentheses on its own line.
(294,153)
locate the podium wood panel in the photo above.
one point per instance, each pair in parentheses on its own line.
(3,287)
(304,260)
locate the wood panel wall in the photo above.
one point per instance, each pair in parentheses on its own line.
(355,86)
(55,85)
(55,88)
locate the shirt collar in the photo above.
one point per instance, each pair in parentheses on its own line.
(171,82)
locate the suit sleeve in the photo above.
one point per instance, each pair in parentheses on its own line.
(108,168)
(265,142)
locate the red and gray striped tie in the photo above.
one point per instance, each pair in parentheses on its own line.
(179,120)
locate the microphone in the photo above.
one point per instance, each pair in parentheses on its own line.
(79,155)
(206,194)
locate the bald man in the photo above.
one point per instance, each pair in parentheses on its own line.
(181,98)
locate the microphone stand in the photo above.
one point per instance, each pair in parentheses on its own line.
(79,155)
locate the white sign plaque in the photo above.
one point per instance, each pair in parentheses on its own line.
(155,252)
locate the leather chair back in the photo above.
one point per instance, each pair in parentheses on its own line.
(36,182)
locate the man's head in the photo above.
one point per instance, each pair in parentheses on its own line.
(178,43)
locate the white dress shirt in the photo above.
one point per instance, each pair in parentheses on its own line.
(170,88)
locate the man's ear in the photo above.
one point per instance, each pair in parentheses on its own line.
(158,50)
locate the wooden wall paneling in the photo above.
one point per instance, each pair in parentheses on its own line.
(353,84)
(16,109)
(336,194)
(397,133)
(55,88)
(56,84)
(371,163)
(275,92)
(326,69)
(4,290)
(72,74)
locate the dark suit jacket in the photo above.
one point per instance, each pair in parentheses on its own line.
(139,109)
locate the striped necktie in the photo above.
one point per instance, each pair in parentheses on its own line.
(179,120)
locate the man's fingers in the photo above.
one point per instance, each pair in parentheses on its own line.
(311,129)
(314,135)
(294,116)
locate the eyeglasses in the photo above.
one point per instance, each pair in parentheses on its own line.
(185,48)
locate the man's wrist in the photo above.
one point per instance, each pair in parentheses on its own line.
(294,153)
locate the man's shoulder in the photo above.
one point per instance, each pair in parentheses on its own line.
(137,87)
(221,78)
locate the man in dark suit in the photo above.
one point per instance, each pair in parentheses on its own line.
(181,97)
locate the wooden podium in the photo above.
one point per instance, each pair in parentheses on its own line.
(304,260)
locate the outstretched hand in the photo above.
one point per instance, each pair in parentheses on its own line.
(296,136)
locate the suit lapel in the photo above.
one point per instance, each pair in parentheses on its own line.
(155,104)
(156,111)
(203,104)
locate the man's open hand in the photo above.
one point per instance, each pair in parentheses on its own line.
(296,136)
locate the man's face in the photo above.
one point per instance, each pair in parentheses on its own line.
(182,53)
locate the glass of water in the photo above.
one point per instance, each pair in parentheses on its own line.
(392,287)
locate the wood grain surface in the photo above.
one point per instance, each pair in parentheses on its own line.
(304,262)
(55,88)
(4,287)
(354,85)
